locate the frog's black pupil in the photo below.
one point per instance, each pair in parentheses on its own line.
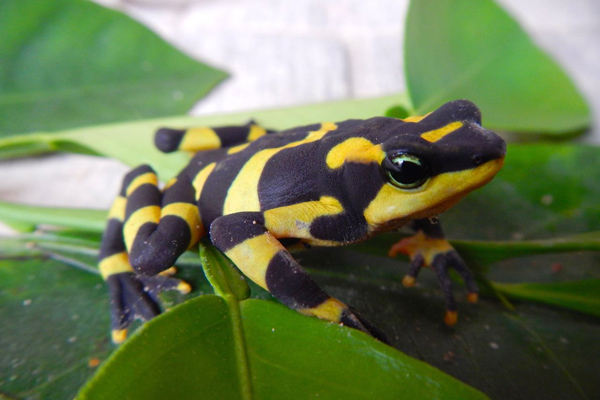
(408,172)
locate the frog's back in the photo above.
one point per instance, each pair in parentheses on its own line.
(278,169)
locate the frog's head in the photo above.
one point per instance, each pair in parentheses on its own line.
(430,163)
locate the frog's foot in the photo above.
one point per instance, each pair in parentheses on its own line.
(351,318)
(334,310)
(135,296)
(438,254)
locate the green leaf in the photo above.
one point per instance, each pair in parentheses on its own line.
(30,217)
(68,63)
(133,143)
(583,296)
(475,50)
(222,274)
(52,337)
(290,356)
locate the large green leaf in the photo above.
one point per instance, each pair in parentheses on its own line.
(232,349)
(68,63)
(473,49)
(132,142)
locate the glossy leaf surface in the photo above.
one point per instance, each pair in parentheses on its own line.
(68,63)
(473,49)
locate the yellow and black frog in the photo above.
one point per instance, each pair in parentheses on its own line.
(257,192)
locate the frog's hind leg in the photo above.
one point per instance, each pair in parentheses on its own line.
(244,238)
(159,227)
(132,295)
(429,247)
(195,139)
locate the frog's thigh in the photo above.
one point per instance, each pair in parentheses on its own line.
(158,227)
(260,256)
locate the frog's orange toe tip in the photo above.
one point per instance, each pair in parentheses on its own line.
(184,287)
(119,336)
(408,281)
(472,297)
(169,271)
(451,317)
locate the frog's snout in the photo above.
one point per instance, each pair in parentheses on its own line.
(494,149)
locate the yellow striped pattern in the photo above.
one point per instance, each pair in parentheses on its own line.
(115,264)
(201,138)
(189,213)
(253,255)
(355,149)
(435,135)
(243,192)
(148,177)
(136,220)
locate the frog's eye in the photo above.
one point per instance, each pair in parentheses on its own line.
(406,171)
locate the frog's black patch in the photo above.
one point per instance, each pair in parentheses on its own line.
(143,196)
(149,255)
(218,183)
(112,239)
(181,191)
(289,283)
(131,175)
(168,140)
(228,231)
(232,135)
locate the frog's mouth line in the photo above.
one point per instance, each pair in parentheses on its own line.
(454,186)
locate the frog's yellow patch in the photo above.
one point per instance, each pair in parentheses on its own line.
(356,149)
(253,255)
(243,192)
(294,220)
(115,264)
(238,148)
(170,183)
(330,310)
(421,244)
(117,210)
(136,220)
(439,194)
(437,134)
(189,213)
(256,132)
(415,118)
(148,177)
(201,138)
(200,179)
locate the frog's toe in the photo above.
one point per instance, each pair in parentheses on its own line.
(441,264)
(353,319)
(136,297)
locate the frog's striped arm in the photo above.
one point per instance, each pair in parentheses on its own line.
(132,295)
(244,238)
(195,139)
(429,248)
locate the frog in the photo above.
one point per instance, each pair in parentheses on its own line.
(256,194)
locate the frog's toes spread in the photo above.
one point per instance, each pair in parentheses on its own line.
(134,296)
(429,248)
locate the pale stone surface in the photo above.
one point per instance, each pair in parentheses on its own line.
(293,52)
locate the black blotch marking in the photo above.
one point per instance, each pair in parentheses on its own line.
(228,231)
(168,140)
(156,247)
(288,282)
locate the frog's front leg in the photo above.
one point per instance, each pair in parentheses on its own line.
(244,238)
(429,247)
(134,217)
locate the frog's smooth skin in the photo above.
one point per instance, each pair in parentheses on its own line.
(254,192)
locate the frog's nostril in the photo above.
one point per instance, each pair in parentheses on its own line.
(477,159)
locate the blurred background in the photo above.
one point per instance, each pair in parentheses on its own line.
(283,53)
